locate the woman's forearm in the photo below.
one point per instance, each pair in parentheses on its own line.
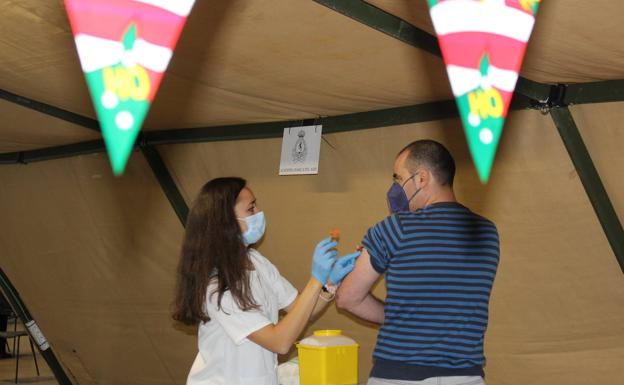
(323,301)
(280,337)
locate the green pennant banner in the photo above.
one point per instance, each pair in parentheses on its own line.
(124,48)
(483,43)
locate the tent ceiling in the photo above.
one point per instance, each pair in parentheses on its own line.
(24,129)
(574,41)
(236,64)
(243,61)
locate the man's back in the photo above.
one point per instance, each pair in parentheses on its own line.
(440,263)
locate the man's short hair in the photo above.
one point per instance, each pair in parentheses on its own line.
(432,155)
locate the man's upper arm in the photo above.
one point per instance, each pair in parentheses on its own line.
(359,282)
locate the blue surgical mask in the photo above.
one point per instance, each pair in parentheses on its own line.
(397,199)
(256,224)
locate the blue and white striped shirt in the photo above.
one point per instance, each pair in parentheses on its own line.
(440,263)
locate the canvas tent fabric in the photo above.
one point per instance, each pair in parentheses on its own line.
(42,132)
(557,295)
(93,256)
(236,64)
(283,66)
(573,41)
(601,127)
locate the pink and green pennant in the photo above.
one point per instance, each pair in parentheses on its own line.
(483,43)
(124,48)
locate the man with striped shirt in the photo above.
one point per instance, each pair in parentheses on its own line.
(439,260)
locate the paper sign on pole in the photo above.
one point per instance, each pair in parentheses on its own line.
(483,44)
(301,148)
(124,48)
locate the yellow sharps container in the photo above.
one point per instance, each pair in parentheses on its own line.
(328,358)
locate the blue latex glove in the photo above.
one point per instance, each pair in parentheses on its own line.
(323,259)
(342,267)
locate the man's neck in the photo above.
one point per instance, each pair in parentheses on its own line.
(442,195)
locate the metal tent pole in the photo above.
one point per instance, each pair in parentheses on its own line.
(166,182)
(51,110)
(33,329)
(591,180)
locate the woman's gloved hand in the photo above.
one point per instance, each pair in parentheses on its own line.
(342,267)
(323,259)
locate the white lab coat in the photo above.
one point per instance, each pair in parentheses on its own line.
(226,356)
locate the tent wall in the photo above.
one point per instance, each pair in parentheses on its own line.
(601,127)
(94,256)
(556,307)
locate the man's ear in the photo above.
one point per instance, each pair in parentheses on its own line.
(424,177)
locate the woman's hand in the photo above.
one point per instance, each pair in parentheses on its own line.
(323,259)
(342,267)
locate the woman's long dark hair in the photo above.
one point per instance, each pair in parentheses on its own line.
(212,249)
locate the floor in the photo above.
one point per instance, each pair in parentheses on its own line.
(27,372)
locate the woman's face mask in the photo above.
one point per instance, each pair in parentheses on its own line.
(397,199)
(256,224)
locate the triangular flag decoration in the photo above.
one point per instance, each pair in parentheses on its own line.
(483,44)
(124,48)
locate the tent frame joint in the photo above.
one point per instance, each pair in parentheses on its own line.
(556,99)
(141,141)
(20,158)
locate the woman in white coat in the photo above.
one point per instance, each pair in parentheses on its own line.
(234,293)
